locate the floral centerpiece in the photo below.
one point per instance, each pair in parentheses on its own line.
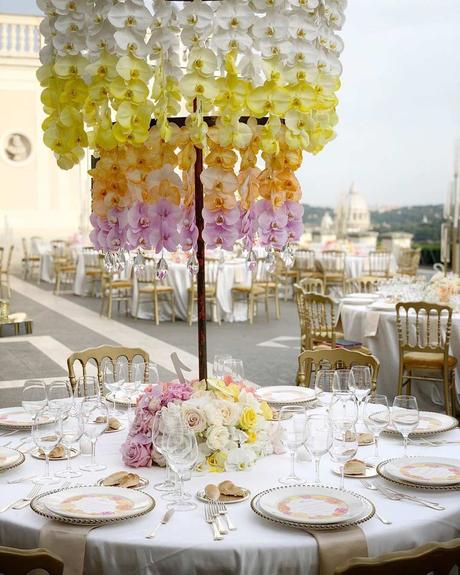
(232,426)
(442,287)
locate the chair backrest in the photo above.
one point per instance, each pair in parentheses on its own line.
(260,274)
(317,316)
(10,258)
(423,326)
(148,275)
(408,261)
(379,263)
(23,561)
(362,285)
(311,285)
(93,259)
(25,249)
(310,361)
(305,260)
(333,261)
(2,253)
(100,355)
(431,558)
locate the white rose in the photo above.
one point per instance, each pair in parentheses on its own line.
(241,458)
(194,418)
(213,414)
(248,399)
(230,412)
(217,437)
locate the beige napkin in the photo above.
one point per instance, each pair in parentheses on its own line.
(371,323)
(335,547)
(68,542)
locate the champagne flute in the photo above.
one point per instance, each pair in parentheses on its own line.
(376,417)
(34,397)
(343,407)
(60,396)
(344,444)
(46,433)
(324,386)
(292,422)
(235,369)
(95,417)
(319,439)
(72,430)
(360,384)
(218,364)
(405,416)
(181,450)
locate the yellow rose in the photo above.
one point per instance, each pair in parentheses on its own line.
(252,436)
(216,461)
(266,410)
(248,418)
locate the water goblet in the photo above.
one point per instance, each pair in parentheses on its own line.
(114,375)
(235,369)
(342,380)
(34,397)
(376,418)
(324,380)
(319,439)
(343,407)
(95,416)
(46,434)
(292,423)
(218,364)
(344,444)
(181,450)
(360,384)
(160,430)
(405,416)
(60,396)
(72,430)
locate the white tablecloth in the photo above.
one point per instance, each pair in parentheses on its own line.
(384,345)
(257,547)
(357,265)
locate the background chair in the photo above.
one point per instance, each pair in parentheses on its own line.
(148,284)
(115,288)
(212,273)
(379,263)
(408,261)
(305,264)
(333,268)
(94,268)
(432,558)
(97,356)
(365,284)
(30,262)
(423,335)
(5,271)
(23,561)
(286,276)
(311,284)
(310,361)
(64,266)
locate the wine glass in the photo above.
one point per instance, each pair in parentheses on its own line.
(60,396)
(72,430)
(319,438)
(95,416)
(376,417)
(405,416)
(343,407)
(87,386)
(113,379)
(291,422)
(181,450)
(324,386)
(34,397)
(234,368)
(344,444)
(360,384)
(159,437)
(342,380)
(218,364)
(46,434)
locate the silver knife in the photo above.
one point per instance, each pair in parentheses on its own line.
(166,517)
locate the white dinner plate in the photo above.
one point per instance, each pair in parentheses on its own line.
(357,301)
(121,399)
(285,394)
(359,295)
(312,504)
(382,306)
(17,417)
(430,422)
(9,457)
(427,470)
(97,502)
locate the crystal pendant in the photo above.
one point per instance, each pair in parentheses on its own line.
(192,264)
(125,257)
(139,262)
(120,265)
(270,262)
(162,269)
(108,261)
(251,261)
(288,256)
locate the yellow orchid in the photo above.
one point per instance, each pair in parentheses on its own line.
(232,94)
(221,157)
(187,157)
(44,74)
(70,66)
(135,117)
(194,85)
(197,129)
(296,135)
(135,91)
(75,92)
(133,68)
(302,97)
(104,68)
(268,99)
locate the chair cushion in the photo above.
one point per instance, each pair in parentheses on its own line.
(425,359)
(122,284)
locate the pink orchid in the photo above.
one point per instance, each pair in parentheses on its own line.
(221,227)
(189,231)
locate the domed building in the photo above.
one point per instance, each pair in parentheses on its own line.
(352,214)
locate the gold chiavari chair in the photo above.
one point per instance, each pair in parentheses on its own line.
(286,276)
(115,288)
(96,356)
(212,273)
(30,262)
(333,268)
(311,361)
(94,267)
(431,558)
(305,264)
(408,261)
(424,331)
(379,263)
(150,285)
(363,285)
(24,561)
(5,271)
(64,266)
(314,285)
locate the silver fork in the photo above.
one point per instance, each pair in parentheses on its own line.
(26,500)
(216,513)
(398,495)
(6,444)
(210,519)
(223,511)
(34,491)
(378,515)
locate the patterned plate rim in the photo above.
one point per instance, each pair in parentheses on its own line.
(143,483)
(21,460)
(380,471)
(312,526)
(88,522)
(454,425)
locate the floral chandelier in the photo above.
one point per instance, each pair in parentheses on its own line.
(256,80)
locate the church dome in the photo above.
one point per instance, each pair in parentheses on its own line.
(352,214)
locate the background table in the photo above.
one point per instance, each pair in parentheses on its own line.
(257,547)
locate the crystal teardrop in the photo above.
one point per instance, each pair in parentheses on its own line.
(162,269)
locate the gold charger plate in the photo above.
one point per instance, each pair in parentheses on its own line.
(381,472)
(16,463)
(39,507)
(200,495)
(37,455)
(312,526)
(143,482)
(428,420)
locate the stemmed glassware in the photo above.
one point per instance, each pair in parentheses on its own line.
(292,424)
(235,369)
(72,430)
(218,364)
(87,386)
(324,386)
(114,376)
(319,439)
(343,407)
(60,396)
(34,397)
(95,416)
(160,430)
(46,434)
(360,384)
(343,380)
(181,450)
(405,416)
(344,444)
(376,417)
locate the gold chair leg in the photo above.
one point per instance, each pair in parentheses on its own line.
(409,382)
(267,309)
(109,310)
(251,307)
(447,395)
(277,303)
(173,306)
(400,378)
(453,394)
(190,308)
(136,316)
(155,308)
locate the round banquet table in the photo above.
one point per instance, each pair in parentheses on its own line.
(185,544)
(383,343)
(357,265)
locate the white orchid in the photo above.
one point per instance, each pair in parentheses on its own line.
(233,16)
(225,40)
(70,6)
(268,5)
(196,14)
(103,39)
(69,44)
(128,41)
(131,16)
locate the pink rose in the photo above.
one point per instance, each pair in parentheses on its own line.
(137,451)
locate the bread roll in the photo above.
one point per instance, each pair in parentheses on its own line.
(115,478)
(212,492)
(355,467)
(129,480)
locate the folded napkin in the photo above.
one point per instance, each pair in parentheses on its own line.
(335,547)
(371,323)
(68,542)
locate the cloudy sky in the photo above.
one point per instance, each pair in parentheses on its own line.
(399,104)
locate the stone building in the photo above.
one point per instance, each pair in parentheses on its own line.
(352,214)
